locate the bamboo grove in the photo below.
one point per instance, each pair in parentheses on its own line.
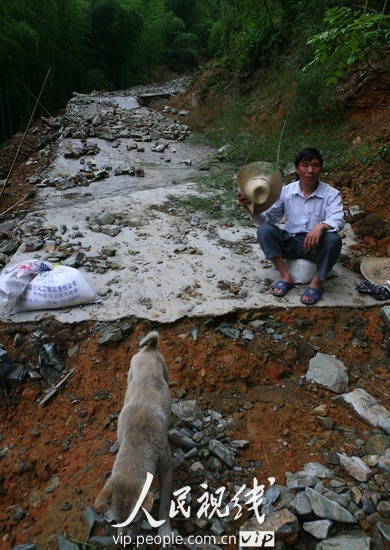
(115,44)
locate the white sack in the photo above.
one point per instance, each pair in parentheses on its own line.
(303,271)
(14,279)
(62,287)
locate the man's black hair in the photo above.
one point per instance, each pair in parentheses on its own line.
(308,154)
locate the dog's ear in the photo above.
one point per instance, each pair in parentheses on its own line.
(105,495)
(148,501)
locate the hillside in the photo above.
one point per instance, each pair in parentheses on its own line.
(363,106)
(55,459)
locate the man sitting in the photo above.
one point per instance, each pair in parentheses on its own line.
(313,214)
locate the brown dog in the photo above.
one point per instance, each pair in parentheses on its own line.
(143,445)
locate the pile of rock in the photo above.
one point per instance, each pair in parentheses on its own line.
(345,504)
(110,117)
(63,244)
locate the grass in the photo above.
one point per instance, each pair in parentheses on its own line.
(271,122)
(278,118)
(216,195)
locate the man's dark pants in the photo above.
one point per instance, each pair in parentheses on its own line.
(276,241)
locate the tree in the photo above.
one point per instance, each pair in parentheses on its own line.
(116,31)
(72,59)
(18,42)
(349,37)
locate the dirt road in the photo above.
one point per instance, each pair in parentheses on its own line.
(204,284)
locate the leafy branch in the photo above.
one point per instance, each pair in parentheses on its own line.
(349,38)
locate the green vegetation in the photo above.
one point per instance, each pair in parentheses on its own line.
(254,128)
(216,196)
(298,50)
(295,54)
(349,37)
(92,44)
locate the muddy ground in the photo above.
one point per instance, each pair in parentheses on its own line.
(55,458)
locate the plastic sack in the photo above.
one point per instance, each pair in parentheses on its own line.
(303,271)
(14,279)
(62,287)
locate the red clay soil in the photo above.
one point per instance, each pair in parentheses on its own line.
(259,384)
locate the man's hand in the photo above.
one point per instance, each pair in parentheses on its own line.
(312,239)
(243,200)
(245,203)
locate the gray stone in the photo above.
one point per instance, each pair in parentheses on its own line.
(384,508)
(300,481)
(220,450)
(191,454)
(326,422)
(285,497)
(355,467)
(112,230)
(319,470)
(384,464)
(110,334)
(301,504)
(356,495)
(385,314)
(328,372)
(384,530)
(16,374)
(336,483)
(197,467)
(384,424)
(367,506)
(186,412)
(356,541)
(319,529)
(230,332)
(216,527)
(282,522)
(376,445)
(364,406)
(177,438)
(239,443)
(267,509)
(342,499)
(272,494)
(106,219)
(326,508)
(71,262)
(108,251)
(33,245)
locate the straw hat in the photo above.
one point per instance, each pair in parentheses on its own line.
(261,183)
(376,270)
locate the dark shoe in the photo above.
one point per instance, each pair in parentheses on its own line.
(284,286)
(313,293)
(378,292)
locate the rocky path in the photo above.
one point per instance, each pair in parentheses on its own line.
(262,387)
(107,204)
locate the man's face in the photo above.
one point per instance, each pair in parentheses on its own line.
(309,171)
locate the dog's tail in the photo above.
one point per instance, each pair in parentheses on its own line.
(150,341)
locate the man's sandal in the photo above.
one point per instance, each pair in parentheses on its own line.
(283,286)
(313,293)
(378,292)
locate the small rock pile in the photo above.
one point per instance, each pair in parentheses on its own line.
(63,244)
(99,116)
(320,506)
